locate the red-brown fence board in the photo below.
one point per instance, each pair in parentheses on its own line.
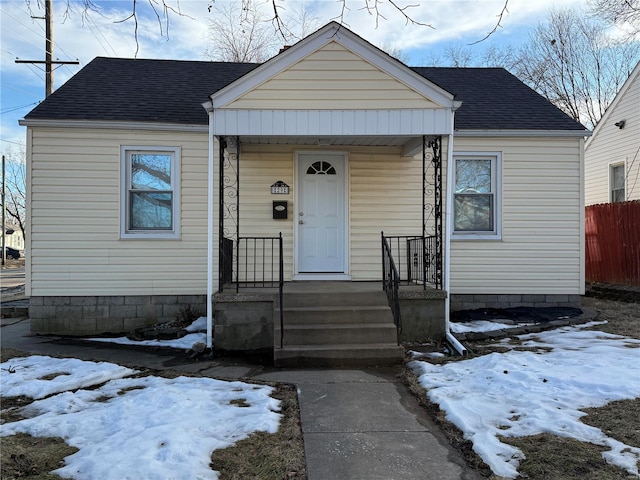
(612,237)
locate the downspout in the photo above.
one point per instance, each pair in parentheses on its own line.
(450,339)
(210,192)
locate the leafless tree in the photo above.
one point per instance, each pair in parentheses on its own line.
(15,184)
(164,10)
(571,59)
(618,12)
(576,64)
(249,40)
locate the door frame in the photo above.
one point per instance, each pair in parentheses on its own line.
(296,232)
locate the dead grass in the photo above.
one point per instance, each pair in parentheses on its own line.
(9,353)
(619,420)
(549,457)
(30,458)
(263,456)
(622,318)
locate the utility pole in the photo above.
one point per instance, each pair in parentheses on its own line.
(48,61)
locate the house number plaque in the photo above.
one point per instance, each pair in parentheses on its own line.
(280,188)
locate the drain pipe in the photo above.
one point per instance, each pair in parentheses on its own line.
(452,342)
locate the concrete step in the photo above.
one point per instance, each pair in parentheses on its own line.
(336,315)
(312,299)
(346,355)
(333,334)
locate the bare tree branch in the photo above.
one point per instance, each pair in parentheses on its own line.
(497,25)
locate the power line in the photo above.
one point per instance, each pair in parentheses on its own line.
(15,143)
(13,109)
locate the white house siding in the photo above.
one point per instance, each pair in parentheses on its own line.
(611,145)
(541,250)
(332,77)
(75,246)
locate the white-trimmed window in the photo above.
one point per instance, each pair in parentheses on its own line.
(150,192)
(616,183)
(476,195)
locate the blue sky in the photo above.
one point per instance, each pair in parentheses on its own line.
(455,22)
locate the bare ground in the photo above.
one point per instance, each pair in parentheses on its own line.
(550,457)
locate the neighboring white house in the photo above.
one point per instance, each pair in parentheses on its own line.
(133,186)
(612,154)
(13,237)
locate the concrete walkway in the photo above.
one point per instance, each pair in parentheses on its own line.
(359,424)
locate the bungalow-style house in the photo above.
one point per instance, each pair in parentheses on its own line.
(280,198)
(612,153)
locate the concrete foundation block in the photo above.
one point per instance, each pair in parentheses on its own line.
(122,311)
(36,301)
(246,326)
(94,311)
(113,300)
(422,320)
(110,324)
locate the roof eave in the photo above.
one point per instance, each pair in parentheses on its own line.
(521,133)
(113,125)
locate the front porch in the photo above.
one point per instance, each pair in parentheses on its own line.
(327,323)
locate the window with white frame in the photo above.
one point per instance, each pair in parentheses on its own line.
(476,195)
(150,192)
(616,182)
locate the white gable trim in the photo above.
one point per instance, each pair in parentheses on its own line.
(349,40)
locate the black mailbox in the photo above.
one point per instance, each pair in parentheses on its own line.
(280,209)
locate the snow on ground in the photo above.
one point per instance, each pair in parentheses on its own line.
(184,343)
(522,393)
(197,333)
(133,428)
(482,326)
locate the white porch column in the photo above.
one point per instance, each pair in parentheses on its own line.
(210,219)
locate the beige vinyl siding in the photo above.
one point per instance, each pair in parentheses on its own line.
(332,78)
(75,246)
(541,246)
(386,195)
(612,145)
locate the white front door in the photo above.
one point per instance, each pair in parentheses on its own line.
(321,213)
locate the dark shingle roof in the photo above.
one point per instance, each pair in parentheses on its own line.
(172,91)
(119,89)
(494,99)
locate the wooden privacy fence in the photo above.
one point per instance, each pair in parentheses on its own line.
(612,237)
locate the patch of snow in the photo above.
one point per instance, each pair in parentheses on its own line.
(199,325)
(481,326)
(522,393)
(133,428)
(184,343)
(415,354)
(40,376)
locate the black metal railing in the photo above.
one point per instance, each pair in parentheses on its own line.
(391,283)
(416,259)
(259,263)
